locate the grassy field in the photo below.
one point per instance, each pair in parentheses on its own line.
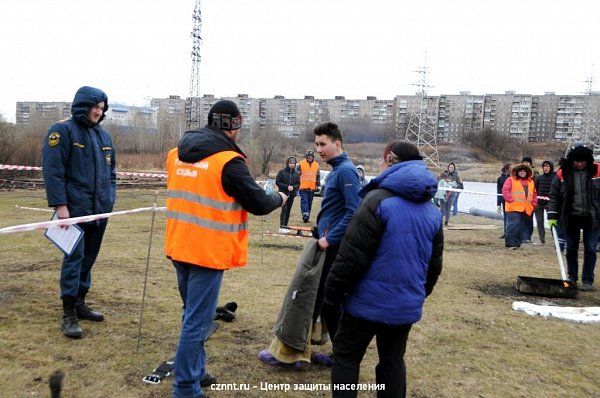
(469,344)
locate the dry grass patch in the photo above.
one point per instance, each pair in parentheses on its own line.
(469,343)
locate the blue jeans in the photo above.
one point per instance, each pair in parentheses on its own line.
(446,208)
(76,272)
(503,219)
(306,199)
(527,227)
(590,239)
(455,205)
(199,289)
(515,224)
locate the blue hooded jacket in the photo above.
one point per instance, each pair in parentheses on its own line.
(340,199)
(397,206)
(78,159)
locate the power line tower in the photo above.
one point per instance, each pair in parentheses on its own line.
(589,133)
(421,129)
(589,82)
(193,101)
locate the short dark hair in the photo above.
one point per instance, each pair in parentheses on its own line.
(400,151)
(329,129)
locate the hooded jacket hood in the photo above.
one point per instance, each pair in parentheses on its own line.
(196,145)
(410,180)
(549,163)
(520,167)
(581,153)
(85,98)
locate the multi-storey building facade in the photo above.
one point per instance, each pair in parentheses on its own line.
(171,112)
(524,117)
(44,112)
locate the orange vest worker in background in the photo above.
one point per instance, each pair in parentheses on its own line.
(520,201)
(310,180)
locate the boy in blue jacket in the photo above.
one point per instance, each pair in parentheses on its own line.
(340,200)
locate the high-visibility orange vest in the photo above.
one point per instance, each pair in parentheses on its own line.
(308,174)
(205,226)
(520,202)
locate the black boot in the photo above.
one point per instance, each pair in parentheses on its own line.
(70,326)
(207,380)
(85,312)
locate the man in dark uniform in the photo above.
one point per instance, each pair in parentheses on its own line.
(78,161)
(575,206)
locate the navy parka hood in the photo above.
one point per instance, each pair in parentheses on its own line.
(410,180)
(85,98)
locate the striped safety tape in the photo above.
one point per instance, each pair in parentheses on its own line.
(122,173)
(74,220)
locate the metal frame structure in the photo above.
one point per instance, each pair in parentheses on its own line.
(193,102)
(591,133)
(421,129)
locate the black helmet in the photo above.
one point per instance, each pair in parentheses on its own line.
(310,152)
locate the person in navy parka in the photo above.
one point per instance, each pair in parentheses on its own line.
(388,262)
(78,160)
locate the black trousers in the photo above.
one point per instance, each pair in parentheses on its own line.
(284,217)
(349,346)
(539,219)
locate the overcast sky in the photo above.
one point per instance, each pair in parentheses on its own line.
(138,49)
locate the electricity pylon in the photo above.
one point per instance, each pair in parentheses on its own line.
(421,129)
(193,102)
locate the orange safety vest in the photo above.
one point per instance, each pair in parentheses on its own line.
(520,202)
(205,226)
(308,174)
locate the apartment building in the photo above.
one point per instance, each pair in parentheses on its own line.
(524,117)
(543,117)
(459,115)
(132,118)
(170,111)
(42,112)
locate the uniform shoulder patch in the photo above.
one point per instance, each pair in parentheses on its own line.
(53,139)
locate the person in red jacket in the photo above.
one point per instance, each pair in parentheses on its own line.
(520,200)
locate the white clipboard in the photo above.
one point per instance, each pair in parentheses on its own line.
(66,239)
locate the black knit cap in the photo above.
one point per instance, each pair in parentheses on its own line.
(527,159)
(225,115)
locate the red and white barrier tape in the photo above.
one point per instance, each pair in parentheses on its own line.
(70,221)
(122,173)
(15,167)
(155,175)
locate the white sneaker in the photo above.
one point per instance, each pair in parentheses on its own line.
(284,231)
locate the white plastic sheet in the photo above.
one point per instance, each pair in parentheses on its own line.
(573,314)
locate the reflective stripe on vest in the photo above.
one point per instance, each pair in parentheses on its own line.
(308,174)
(520,203)
(205,226)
